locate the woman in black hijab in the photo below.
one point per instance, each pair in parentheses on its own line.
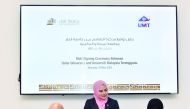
(155,103)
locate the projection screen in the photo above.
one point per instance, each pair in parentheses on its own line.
(66,48)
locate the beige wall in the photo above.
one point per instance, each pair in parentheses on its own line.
(10,97)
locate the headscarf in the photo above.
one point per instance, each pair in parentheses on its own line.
(155,103)
(99,100)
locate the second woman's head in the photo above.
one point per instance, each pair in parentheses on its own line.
(100,90)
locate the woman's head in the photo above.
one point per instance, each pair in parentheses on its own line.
(100,90)
(155,103)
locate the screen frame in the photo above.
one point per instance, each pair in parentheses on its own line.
(20,77)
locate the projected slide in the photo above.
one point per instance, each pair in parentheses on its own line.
(65,49)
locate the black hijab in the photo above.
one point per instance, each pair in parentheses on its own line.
(155,103)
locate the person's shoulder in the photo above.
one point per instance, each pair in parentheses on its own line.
(90,100)
(111,99)
(89,103)
(113,103)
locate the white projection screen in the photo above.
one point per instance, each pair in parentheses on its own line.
(66,48)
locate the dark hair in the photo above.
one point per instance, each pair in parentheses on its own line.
(155,103)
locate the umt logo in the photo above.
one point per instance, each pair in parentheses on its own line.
(144,22)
